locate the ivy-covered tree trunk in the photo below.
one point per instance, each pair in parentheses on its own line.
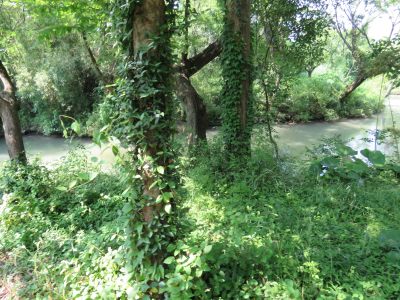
(10,118)
(151,74)
(145,109)
(237,75)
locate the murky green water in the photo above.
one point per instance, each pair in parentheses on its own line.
(50,149)
(295,138)
(292,138)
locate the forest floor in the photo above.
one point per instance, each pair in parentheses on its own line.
(9,283)
(274,229)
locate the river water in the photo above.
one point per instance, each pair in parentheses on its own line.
(295,138)
(291,138)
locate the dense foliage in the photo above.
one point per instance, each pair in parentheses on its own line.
(228,217)
(265,232)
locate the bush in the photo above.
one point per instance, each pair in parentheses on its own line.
(63,224)
(314,98)
(276,234)
(364,102)
(54,81)
(317,99)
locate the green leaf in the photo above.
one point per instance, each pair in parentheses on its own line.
(358,166)
(169,260)
(93,175)
(84,176)
(72,184)
(160,169)
(207,249)
(62,188)
(76,127)
(167,196)
(199,273)
(168,208)
(127,208)
(344,150)
(376,158)
(115,150)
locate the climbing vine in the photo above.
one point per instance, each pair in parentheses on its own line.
(141,113)
(236,70)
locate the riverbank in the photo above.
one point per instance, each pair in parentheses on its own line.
(292,138)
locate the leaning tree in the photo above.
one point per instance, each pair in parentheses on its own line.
(370,58)
(9,117)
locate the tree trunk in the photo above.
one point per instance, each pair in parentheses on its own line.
(148,21)
(93,60)
(389,89)
(351,87)
(237,96)
(148,18)
(195,108)
(10,118)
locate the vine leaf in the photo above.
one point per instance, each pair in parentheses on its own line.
(76,127)
(376,158)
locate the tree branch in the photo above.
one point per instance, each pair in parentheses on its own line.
(95,65)
(194,64)
(340,32)
(5,79)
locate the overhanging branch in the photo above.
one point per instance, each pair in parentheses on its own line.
(194,64)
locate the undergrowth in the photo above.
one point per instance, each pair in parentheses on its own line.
(269,230)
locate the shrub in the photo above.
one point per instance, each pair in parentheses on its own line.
(317,98)
(54,83)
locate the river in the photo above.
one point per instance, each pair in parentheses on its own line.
(291,138)
(295,138)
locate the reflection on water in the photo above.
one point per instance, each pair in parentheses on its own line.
(292,138)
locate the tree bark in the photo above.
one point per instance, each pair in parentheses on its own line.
(93,60)
(194,64)
(10,118)
(196,112)
(148,19)
(239,17)
(351,87)
(237,26)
